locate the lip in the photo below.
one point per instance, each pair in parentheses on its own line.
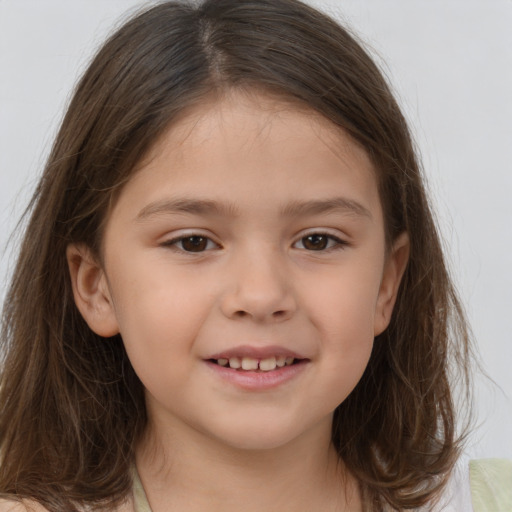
(258,380)
(256,352)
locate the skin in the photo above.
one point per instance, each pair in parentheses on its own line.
(211,445)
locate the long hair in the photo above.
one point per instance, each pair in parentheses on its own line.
(71,407)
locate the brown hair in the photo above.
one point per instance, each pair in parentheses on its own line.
(71,407)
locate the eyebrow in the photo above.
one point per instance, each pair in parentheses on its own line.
(330,205)
(196,206)
(187,205)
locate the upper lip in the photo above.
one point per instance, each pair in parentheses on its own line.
(256,352)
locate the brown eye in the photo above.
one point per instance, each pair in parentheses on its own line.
(315,242)
(319,242)
(193,243)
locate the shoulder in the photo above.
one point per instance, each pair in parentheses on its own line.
(491,484)
(7,505)
(481,485)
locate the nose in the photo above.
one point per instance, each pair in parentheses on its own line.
(259,287)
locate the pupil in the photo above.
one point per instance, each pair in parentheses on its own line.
(194,243)
(315,242)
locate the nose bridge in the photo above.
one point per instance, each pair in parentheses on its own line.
(259,284)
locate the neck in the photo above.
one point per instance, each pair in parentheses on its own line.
(202,474)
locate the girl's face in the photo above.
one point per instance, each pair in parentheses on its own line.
(251,235)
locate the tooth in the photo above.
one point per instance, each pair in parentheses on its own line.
(280,361)
(248,363)
(234,362)
(268,364)
(222,361)
(288,361)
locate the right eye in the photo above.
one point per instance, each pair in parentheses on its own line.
(192,243)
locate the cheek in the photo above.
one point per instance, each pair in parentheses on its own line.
(155,295)
(343,305)
(159,317)
(346,351)
(343,314)
(347,344)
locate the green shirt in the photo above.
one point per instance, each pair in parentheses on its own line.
(491,485)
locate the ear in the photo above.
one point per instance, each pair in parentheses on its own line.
(394,269)
(90,290)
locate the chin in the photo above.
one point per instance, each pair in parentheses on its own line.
(264,435)
(257,443)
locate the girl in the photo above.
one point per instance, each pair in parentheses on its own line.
(231,293)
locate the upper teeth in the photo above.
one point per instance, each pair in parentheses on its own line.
(250,363)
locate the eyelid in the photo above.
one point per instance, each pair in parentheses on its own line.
(340,242)
(172,242)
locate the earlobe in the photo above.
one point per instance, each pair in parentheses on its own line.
(90,290)
(394,269)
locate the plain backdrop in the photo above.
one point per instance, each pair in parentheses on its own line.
(450,63)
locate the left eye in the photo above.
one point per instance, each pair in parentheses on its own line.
(318,242)
(193,243)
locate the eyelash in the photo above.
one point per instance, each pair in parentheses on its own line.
(333,243)
(174,243)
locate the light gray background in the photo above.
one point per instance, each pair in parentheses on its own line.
(450,62)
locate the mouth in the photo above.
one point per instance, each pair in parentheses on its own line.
(255,369)
(252,364)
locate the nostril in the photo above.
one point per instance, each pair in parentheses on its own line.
(278,315)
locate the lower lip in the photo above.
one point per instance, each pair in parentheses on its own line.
(258,381)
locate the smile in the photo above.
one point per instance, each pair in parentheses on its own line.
(254,377)
(253,368)
(252,364)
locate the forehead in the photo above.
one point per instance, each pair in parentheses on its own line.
(256,116)
(242,147)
